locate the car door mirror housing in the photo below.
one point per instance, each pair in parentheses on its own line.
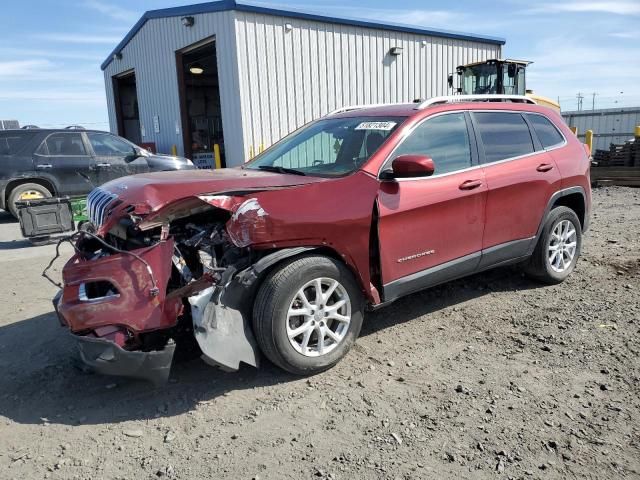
(135,153)
(410,166)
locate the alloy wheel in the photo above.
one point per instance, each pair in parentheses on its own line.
(562,246)
(318,317)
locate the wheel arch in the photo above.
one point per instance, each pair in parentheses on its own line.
(256,274)
(575,200)
(12,184)
(570,198)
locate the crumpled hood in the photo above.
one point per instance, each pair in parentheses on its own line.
(155,190)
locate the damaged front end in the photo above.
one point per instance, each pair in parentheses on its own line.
(144,284)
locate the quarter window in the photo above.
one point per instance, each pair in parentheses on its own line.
(444,138)
(12,142)
(504,135)
(107,145)
(547,133)
(65,144)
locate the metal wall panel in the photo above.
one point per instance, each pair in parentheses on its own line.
(273,81)
(151,53)
(611,125)
(290,77)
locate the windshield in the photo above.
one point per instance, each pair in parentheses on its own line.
(328,147)
(480,79)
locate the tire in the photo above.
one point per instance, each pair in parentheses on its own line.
(540,266)
(39,241)
(22,189)
(281,290)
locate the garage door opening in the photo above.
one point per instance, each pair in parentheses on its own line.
(200,105)
(127,112)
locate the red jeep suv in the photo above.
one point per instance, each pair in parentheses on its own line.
(353,211)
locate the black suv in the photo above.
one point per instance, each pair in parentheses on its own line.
(39,163)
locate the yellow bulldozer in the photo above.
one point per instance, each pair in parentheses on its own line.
(496,76)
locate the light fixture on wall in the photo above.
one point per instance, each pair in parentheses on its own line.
(396,51)
(117,56)
(196,68)
(288,27)
(188,21)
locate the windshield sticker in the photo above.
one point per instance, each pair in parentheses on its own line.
(386,126)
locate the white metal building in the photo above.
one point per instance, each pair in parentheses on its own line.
(609,125)
(243,75)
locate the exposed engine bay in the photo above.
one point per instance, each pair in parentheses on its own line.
(138,292)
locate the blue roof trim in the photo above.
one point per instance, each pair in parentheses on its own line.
(226,5)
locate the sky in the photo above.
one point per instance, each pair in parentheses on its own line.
(51,50)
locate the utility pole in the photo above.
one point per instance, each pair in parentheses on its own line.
(593,101)
(579,96)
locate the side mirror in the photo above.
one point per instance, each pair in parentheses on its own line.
(135,153)
(410,166)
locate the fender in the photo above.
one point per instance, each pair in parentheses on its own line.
(249,276)
(222,314)
(553,199)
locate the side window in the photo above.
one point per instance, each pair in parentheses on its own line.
(65,144)
(504,135)
(547,133)
(107,145)
(11,142)
(444,138)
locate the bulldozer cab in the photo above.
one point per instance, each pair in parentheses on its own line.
(491,77)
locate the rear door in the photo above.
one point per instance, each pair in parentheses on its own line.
(114,157)
(64,156)
(430,229)
(521,177)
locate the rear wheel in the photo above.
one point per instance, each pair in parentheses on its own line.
(308,313)
(24,192)
(558,248)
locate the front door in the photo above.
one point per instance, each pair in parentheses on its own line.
(114,157)
(430,229)
(64,156)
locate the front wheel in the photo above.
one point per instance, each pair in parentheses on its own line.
(308,313)
(558,248)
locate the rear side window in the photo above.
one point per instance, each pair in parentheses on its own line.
(444,138)
(12,142)
(547,132)
(65,144)
(504,135)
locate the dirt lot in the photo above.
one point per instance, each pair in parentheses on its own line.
(488,377)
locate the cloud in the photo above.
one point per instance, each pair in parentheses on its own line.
(626,35)
(96,96)
(20,68)
(113,11)
(78,38)
(564,66)
(614,7)
(437,18)
(32,52)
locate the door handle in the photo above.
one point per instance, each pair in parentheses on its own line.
(470,184)
(103,165)
(544,167)
(43,166)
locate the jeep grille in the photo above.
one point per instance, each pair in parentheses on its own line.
(98,203)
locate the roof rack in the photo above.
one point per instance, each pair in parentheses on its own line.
(474,98)
(358,107)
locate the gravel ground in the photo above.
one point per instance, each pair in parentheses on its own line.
(492,376)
